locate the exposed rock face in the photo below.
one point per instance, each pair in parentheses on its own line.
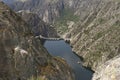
(46,9)
(108,71)
(22,57)
(49,11)
(97,38)
(37,26)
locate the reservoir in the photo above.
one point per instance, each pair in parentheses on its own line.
(63,50)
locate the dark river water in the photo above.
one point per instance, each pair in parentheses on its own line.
(62,49)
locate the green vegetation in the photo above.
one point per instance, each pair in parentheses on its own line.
(117,23)
(101,20)
(61,22)
(98,35)
(38,78)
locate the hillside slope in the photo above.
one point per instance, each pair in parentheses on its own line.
(22,57)
(47,10)
(57,12)
(60,12)
(96,34)
(37,26)
(97,38)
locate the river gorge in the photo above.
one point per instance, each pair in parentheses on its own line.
(63,50)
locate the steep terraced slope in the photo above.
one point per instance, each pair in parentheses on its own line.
(22,57)
(97,38)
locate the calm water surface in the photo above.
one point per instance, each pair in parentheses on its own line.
(62,49)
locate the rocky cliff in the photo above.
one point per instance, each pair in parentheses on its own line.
(109,70)
(46,9)
(60,13)
(37,26)
(95,34)
(22,57)
(96,38)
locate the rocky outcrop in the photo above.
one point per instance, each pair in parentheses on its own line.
(22,57)
(109,70)
(37,26)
